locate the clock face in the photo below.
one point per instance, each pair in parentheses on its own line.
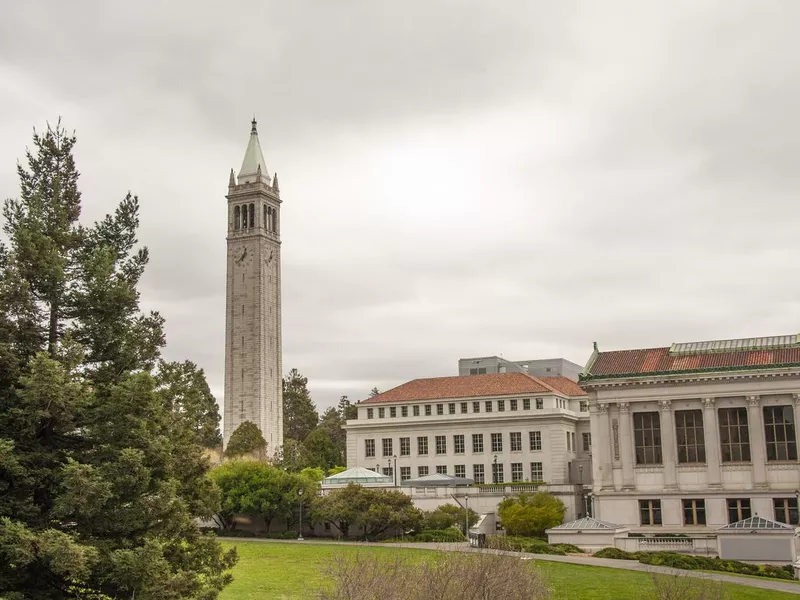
(240,254)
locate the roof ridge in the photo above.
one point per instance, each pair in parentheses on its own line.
(545,384)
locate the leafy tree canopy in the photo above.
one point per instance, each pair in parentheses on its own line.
(102,474)
(246,439)
(531,514)
(321,449)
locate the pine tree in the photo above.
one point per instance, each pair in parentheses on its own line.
(299,413)
(102,472)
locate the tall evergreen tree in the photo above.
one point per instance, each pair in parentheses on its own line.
(101,465)
(299,413)
(333,424)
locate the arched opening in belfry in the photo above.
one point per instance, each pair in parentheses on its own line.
(252,215)
(274,220)
(236,217)
(244,216)
(264,219)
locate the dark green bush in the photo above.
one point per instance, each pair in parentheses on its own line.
(451,534)
(568,548)
(690,562)
(240,533)
(522,544)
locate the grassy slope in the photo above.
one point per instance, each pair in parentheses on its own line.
(292,571)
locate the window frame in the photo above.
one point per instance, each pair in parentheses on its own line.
(459,441)
(517,474)
(405,448)
(515,436)
(477,443)
(422,442)
(586,438)
(369,443)
(652,508)
(387,443)
(440,444)
(742,506)
(648,445)
(696,508)
(779,450)
(535,440)
(783,510)
(479,473)
(497,442)
(734,438)
(690,439)
(537,467)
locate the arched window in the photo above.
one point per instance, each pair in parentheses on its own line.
(244,216)
(275,220)
(236,217)
(265,217)
(252,215)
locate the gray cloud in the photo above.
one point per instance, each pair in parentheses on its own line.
(458,178)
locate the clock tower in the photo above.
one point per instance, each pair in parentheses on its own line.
(253,370)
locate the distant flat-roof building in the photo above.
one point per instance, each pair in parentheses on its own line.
(548,367)
(695,436)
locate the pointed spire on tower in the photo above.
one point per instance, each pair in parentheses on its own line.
(254,168)
(232,179)
(275,183)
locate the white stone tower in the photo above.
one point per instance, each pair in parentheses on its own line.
(253,369)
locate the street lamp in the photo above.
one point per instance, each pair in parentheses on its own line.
(300,534)
(466,516)
(580,471)
(494,470)
(394,470)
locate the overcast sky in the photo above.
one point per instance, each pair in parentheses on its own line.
(459,178)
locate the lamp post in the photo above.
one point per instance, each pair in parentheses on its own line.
(494,470)
(394,470)
(300,533)
(580,473)
(466,516)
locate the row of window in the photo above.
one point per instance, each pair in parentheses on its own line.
(478,472)
(459,443)
(734,436)
(244,217)
(694,511)
(488,406)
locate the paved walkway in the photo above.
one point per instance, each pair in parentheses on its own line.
(627,565)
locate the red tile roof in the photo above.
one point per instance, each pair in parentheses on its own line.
(476,386)
(622,363)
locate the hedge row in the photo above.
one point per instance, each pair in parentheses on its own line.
(451,534)
(529,544)
(283,535)
(698,563)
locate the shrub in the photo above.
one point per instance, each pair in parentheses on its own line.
(360,576)
(451,534)
(522,544)
(530,514)
(615,553)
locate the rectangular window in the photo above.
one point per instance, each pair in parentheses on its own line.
(387,446)
(536,440)
(584,406)
(539,403)
(416,410)
(381,413)
(734,436)
(690,436)
(451,408)
(428,410)
(497,472)
(574,447)
(488,405)
(369,448)
(738,509)
(537,473)
(569,447)
(647,436)
(393,411)
(478,474)
(516,441)
(650,511)
(694,512)
(441,469)
(526,404)
(477,442)
(501,406)
(422,446)
(405,446)
(779,433)
(370,413)
(464,407)
(516,472)
(513,405)
(458,444)
(388,471)
(476,407)
(497,442)
(460,470)
(405,473)
(403,411)
(440,409)
(587,442)
(422,471)
(441,444)
(786,510)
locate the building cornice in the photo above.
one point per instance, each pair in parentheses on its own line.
(689,377)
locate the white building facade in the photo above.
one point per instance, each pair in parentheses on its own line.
(692,437)
(253,369)
(495,428)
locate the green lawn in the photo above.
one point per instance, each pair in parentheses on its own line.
(277,571)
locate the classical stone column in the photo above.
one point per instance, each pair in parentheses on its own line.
(796,398)
(711,434)
(626,446)
(668,453)
(607,478)
(758,454)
